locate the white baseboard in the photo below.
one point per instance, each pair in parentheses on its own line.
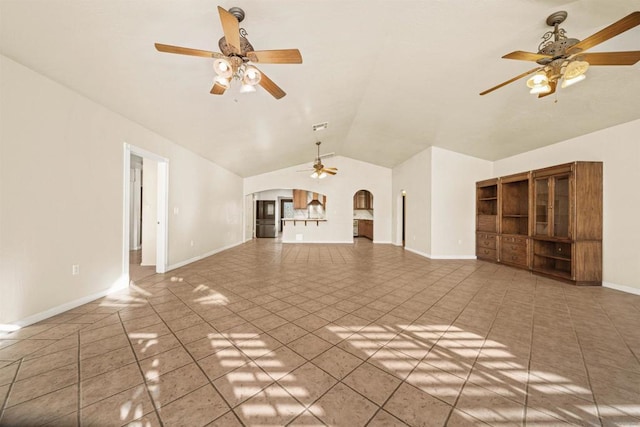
(622,288)
(453,257)
(199,257)
(318,241)
(121,283)
(426,255)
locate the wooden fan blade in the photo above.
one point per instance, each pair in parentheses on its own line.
(280,56)
(231,29)
(187,51)
(553,85)
(626,23)
(333,169)
(268,85)
(526,56)
(330,172)
(611,58)
(217,89)
(511,80)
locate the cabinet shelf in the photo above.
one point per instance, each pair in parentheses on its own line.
(487,198)
(515,216)
(554,272)
(556,257)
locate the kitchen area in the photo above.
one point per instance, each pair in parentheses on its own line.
(363,214)
(277,210)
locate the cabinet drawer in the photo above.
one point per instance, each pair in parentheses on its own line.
(487,243)
(486,240)
(514,240)
(486,253)
(513,254)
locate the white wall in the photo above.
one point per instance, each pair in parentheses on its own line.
(619,150)
(414,177)
(149,211)
(440,202)
(61,196)
(453,199)
(136,202)
(352,175)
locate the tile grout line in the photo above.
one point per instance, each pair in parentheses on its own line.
(13,381)
(193,359)
(79,391)
(404,380)
(531,335)
(144,379)
(584,361)
(606,313)
(475,360)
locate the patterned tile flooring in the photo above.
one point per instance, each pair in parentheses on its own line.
(270,334)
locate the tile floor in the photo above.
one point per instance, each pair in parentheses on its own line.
(268,334)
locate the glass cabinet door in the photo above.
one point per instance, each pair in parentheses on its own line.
(561,207)
(542,204)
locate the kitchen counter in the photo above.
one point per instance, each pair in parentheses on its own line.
(305,220)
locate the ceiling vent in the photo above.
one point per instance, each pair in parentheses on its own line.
(320,126)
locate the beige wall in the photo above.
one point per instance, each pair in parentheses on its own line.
(619,148)
(453,192)
(414,177)
(440,212)
(61,196)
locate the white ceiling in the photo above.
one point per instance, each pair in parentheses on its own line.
(391,77)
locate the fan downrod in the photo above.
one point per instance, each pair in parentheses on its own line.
(238,13)
(556,18)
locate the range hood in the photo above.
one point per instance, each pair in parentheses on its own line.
(314,200)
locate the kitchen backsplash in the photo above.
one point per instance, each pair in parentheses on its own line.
(362,214)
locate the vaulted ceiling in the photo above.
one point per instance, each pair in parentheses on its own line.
(391,77)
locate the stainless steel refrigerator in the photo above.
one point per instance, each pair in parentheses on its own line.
(265,218)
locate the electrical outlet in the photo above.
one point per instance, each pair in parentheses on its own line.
(75,269)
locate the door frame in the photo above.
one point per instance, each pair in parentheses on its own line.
(162,233)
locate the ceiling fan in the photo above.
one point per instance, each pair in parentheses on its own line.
(235,61)
(564,59)
(319,170)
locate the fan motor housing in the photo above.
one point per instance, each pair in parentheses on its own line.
(227,50)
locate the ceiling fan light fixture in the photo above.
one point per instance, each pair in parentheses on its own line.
(536,90)
(246,88)
(252,76)
(222,81)
(539,79)
(575,69)
(314,175)
(323,174)
(570,81)
(223,67)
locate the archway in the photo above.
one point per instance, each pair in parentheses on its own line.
(363,214)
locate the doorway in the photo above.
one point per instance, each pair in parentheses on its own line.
(363,214)
(403,208)
(286,211)
(152,230)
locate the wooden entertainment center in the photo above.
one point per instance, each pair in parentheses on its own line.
(547,220)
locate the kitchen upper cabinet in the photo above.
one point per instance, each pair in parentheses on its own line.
(299,199)
(363,200)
